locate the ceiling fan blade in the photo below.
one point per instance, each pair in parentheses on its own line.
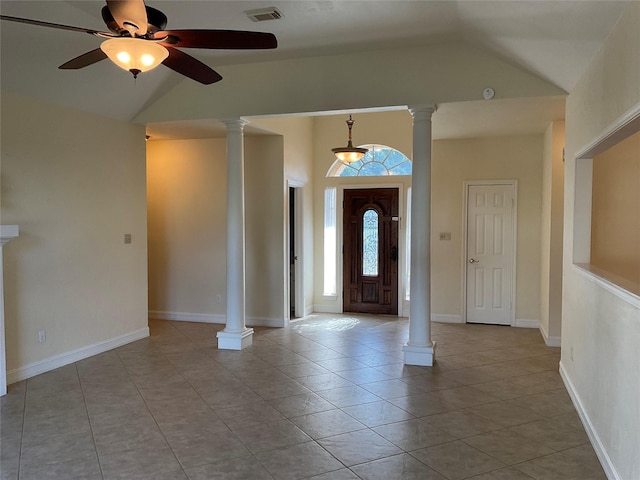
(49,24)
(84,60)
(219,39)
(191,67)
(131,15)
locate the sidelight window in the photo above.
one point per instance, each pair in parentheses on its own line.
(330,241)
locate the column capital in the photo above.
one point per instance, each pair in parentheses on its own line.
(234,124)
(422,111)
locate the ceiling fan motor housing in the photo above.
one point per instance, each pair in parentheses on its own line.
(156,21)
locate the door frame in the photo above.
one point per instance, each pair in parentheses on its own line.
(299,310)
(340,238)
(465,241)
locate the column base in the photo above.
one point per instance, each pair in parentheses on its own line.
(235,340)
(422,356)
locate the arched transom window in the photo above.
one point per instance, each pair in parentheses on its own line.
(379,161)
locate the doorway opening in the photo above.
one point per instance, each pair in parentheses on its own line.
(295,265)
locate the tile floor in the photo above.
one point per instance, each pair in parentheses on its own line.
(326,399)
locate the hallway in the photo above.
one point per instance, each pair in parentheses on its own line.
(327,398)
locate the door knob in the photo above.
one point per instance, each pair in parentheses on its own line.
(473,260)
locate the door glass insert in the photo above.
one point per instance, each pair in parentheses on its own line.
(370,243)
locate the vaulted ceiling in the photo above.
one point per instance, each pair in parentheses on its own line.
(554,40)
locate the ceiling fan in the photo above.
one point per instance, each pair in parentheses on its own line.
(137,41)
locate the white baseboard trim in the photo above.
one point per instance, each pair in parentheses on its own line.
(327,309)
(265,322)
(446,318)
(550,341)
(188,317)
(526,323)
(308,310)
(60,360)
(603,456)
(212,318)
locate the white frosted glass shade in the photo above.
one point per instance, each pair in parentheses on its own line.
(134,54)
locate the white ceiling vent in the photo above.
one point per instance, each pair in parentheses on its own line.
(263,14)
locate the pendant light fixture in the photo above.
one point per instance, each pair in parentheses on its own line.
(134,54)
(349,153)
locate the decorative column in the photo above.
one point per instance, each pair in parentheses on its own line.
(7,232)
(420,350)
(236,335)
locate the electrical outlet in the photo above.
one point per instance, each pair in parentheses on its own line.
(127,238)
(42,336)
(445,235)
(218,298)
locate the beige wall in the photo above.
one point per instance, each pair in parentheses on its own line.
(266,249)
(551,233)
(615,220)
(186,205)
(496,158)
(601,327)
(75,184)
(187,229)
(297,133)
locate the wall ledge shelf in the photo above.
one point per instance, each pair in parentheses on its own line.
(621,288)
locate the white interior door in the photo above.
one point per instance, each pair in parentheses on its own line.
(490,253)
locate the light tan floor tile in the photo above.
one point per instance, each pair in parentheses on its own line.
(552,434)
(361,376)
(348,396)
(298,461)
(423,404)
(402,466)
(359,447)
(248,468)
(502,474)
(462,423)
(508,446)
(377,413)
(143,464)
(506,413)
(243,415)
(76,469)
(324,381)
(578,463)
(393,388)
(304,404)
(326,424)
(286,388)
(173,404)
(271,436)
(342,474)
(457,460)
(413,434)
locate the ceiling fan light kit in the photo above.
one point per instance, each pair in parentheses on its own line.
(137,41)
(349,154)
(133,54)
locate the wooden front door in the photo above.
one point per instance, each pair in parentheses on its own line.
(371,251)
